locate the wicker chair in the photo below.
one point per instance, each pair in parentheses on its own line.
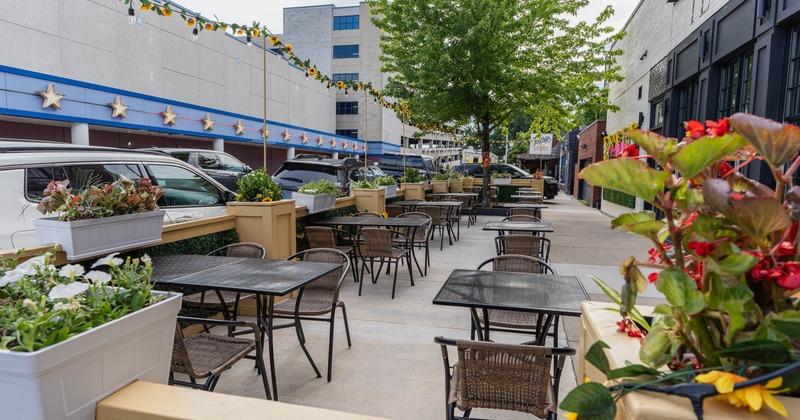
(326,237)
(533,246)
(530,200)
(525,212)
(222,301)
(394,211)
(502,376)
(379,243)
(516,321)
(468,205)
(319,298)
(206,356)
(522,218)
(418,238)
(439,220)
(494,195)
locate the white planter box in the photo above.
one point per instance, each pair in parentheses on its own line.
(66,380)
(93,237)
(316,203)
(501,181)
(391,190)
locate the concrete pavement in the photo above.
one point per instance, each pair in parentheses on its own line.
(394,369)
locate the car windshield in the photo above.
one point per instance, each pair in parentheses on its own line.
(303,173)
(230,163)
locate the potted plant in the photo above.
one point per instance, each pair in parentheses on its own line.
(728,271)
(501,178)
(456,185)
(413,185)
(99,219)
(467,181)
(258,186)
(317,196)
(440,182)
(69,338)
(389,184)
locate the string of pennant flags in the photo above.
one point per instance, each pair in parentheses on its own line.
(199,23)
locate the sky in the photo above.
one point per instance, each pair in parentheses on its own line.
(270,12)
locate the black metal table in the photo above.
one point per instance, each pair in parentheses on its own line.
(414,203)
(534,227)
(525,206)
(247,275)
(549,295)
(461,194)
(531,196)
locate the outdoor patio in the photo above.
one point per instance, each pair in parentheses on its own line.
(394,368)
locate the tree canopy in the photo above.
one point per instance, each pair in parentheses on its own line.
(482,61)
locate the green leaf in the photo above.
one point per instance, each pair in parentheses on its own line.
(699,154)
(590,400)
(632,371)
(655,347)
(642,223)
(790,327)
(739,263)
(680,290)
(758,350)
(657,146)
(758,216)
(626,175)
(778,143)
(616,298)
(597,357)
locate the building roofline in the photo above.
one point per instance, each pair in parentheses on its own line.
(635,9)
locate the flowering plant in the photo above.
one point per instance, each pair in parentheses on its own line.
(386,181)
(501,175)
(123,196)
(725,255)
(41,305)
(411,175)
(320,186)
(258,186)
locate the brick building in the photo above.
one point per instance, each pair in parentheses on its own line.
(590,150)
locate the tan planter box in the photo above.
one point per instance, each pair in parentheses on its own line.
(272,225)
(501,181)
(439,185)
(414,191)
(372,200)
(601,324)
(467,182)
(456,186)
(538,184)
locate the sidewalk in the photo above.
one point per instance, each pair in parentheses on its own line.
(394,369)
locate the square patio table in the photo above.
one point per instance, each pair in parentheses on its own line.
(534,227)
(247,275)
(548,295)
(534,196)
(461,194)
(524,206)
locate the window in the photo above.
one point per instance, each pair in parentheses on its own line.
(687,102)
(183,187)
(346,108)
(792,112)
(657,114)
(347,133)
(342,23)
(208,161)
(184,156)
(747,77)
(230,163)
(345,51)
(344,77)
(734,85)
(79,176)
(640,93)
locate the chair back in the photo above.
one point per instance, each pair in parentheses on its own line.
(242,250)
(505,376)
(522,212)
(521,218)
(377,242)
(518,264)
(394,211)
(534,246)
(530,201)
(421,233)
(367,214)
(330,283)
(434,212)
(320,237)
(181,363)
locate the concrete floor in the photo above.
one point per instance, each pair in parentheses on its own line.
(394,369)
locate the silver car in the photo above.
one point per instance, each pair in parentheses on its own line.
(26,167)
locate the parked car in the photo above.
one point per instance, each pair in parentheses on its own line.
(26,167)
(309,167)
(476,170)
(221,166)
(392,164)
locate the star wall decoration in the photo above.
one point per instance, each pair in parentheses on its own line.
(320,140)
(333,143)
(208,122)
(264,133)
(239,127)
(118,109)
(304,138)
(344,144)
(287,135)
(169,116)
(355,146)
(51,97)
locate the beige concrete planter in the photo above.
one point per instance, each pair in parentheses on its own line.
(439,185)
(414,190)
(456,185)
(372,200)
(468,182)
(600,324)
(272,225)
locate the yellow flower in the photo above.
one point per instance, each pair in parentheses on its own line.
(240,32)
(289,48)
(259,196)
(240,195)
(752,397)
(384,215)
(224,26)
(166,12)
(273,39)
(256,32)
(571,416)
(190,22)
(266,200)
(146,6)
(339,84)
(209,27)
(312,72)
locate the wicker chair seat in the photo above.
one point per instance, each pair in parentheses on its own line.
(510,319)
(310,307)
(211,301)
(211,354)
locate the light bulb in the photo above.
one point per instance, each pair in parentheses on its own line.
(131,15)
(345,93)
(328,88)
(194,34)
(306,75)
(249,41)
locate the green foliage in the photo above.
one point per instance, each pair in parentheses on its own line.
(441,177)
(620,198)
(366,184)
(322,186)
(412,175)
(386,181)
(91,201)
(258,186)
(199,245)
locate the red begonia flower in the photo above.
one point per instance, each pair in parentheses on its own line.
(718,128)
(694,129)
(786,249)
(652,277)
(631,151)
(702,249)
(725,169)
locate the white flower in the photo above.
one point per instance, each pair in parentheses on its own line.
(71,270)
(59,306)
(146,258)
(66,291)
(29,303)
(11,276)
(108,260)
(97,277)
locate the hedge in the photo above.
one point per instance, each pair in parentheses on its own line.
(620,198)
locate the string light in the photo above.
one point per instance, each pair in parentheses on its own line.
(306,74)
(131,14)
(345,93)
(249,41)
(194,34)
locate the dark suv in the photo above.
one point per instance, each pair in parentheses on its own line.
(476,170)
(221,166)
(307,167)
(392,164)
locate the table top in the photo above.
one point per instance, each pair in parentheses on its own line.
(549,293)
(428,203)
(526,196)
(343,220)
(372,221)
(520,226)
(525,206)
(254,275)
(461,194)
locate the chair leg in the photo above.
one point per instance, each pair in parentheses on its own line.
(410,269)
(330,341)
(354,260)
(394,283)
(346,325)
(361,283)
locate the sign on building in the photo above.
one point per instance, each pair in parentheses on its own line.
(542,145)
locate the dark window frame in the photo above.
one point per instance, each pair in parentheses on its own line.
(353,134)
(346,22)
(344,77)
(347,108)
(792,110)
(346,51)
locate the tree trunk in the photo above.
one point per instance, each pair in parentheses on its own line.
(485,161)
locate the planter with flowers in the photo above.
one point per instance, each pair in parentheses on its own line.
(100,219)
(456,184)
(413,184)
(730,327)
(369,196)
(69,338)
(467,181)
(501,178)
(440,182)
(389,184)
(317,196)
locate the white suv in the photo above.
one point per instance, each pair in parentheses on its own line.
(26,167)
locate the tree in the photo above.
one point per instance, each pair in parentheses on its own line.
(481,61)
